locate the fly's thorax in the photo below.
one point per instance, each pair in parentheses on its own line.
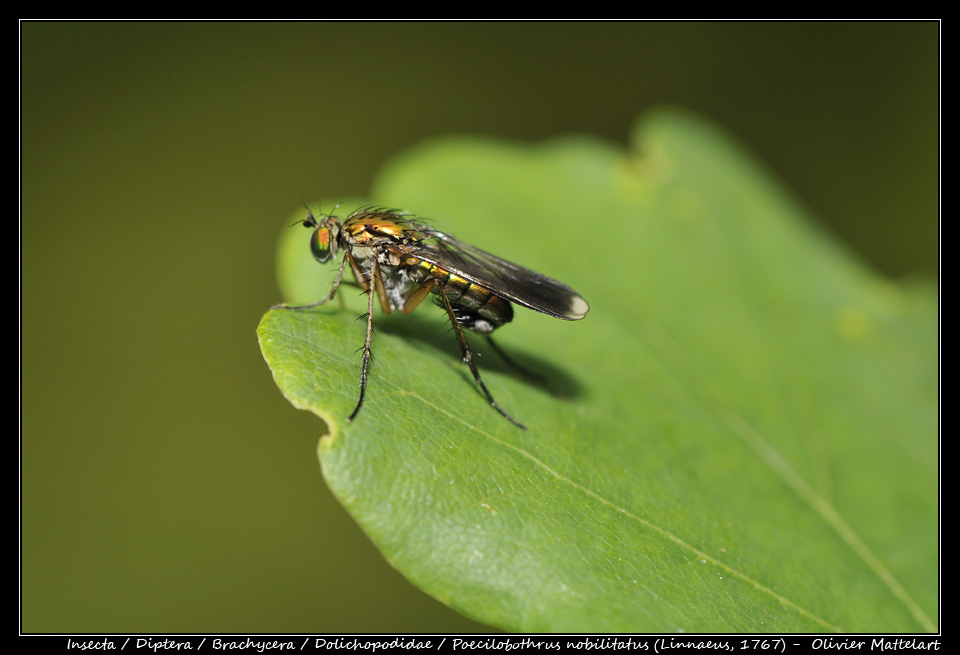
(362,254)
(390,257)
(399,281)
(368,228)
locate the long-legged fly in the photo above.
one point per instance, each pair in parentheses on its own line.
(402,260)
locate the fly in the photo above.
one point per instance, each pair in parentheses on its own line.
(401,261)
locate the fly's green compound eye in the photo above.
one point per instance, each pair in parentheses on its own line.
(321,244)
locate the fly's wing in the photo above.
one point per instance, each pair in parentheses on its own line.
(515,283)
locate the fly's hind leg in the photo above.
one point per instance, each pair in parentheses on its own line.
(468,357)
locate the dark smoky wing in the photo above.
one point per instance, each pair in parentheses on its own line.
(515,283)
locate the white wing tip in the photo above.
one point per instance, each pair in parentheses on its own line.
(578,309)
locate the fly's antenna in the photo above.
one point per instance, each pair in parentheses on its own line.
(329,214)
(309,221)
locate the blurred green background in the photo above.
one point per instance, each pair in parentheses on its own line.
(165,483)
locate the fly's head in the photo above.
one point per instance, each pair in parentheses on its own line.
(325,239)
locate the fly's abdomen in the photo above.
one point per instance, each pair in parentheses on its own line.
(476,308)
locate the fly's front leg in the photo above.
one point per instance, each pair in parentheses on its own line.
(371,292)
(333,291)
(375,281)
(468,357)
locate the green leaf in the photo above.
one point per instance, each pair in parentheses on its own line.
(740,436)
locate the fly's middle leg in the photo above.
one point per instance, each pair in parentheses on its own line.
(371,292)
